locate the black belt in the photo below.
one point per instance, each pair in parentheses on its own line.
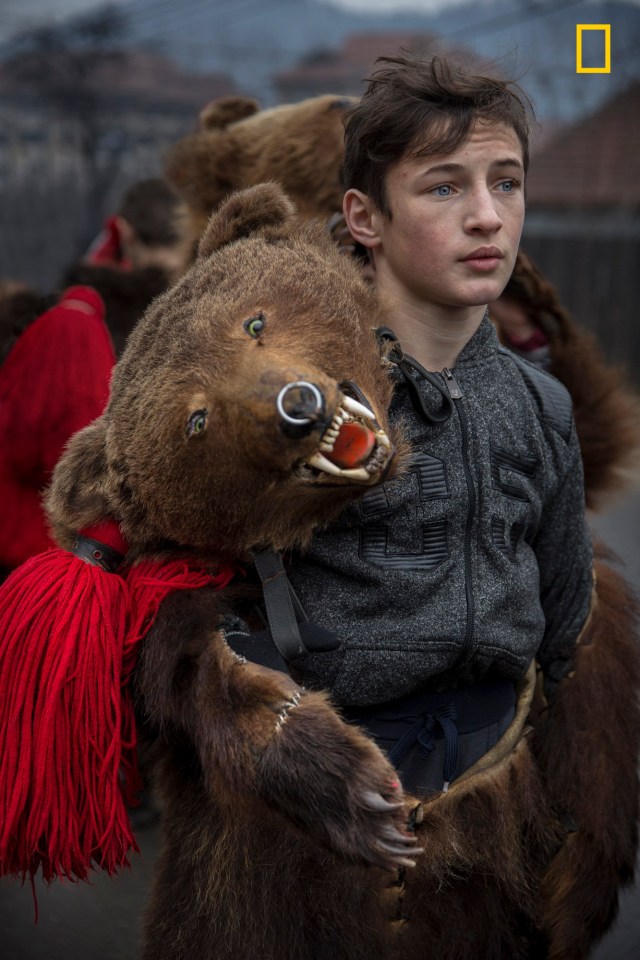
(422,717)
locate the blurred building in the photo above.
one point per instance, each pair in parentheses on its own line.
(583,221)
(132,105)
(75,131)
(343,70)
(587,174)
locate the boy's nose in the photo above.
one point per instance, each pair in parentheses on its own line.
(482,214)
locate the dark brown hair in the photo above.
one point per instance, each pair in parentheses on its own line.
(417,108)
(152,207)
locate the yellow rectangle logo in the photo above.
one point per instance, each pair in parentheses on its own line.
(606,29)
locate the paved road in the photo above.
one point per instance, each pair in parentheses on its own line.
(101,922)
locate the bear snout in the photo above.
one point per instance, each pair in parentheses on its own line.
(300,405)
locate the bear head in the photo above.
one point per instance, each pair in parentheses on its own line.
(299,145)
(250,404)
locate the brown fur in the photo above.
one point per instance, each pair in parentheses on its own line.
(588,750)
(216,717)
(606,408)
(220,113)
(501,876)
(246,811)
(271,848)
(474,893)
(297,145)
(190,352)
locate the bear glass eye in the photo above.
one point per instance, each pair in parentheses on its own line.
(197,422)
(254,326)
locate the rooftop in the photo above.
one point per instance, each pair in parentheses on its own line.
(592,164)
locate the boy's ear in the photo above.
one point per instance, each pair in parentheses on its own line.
(79,492)
(363,219)
(264,210)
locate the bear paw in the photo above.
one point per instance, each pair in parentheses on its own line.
(335,783)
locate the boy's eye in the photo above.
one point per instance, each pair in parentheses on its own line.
(508,186)
(444,190)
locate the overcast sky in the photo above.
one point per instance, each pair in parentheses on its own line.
(36,8)
(17,14)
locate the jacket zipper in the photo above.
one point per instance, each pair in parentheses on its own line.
(455,393)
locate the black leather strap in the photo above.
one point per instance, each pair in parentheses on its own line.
(281,605)
(97,554)
(257,648)
(409,368)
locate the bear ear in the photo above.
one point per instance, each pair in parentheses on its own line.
(78,496)
(220,113)
(264,210)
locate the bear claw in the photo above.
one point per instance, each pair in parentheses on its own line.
(377,803)
(401,845)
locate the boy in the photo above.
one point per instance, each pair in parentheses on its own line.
(446,583)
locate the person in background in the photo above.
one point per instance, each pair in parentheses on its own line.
(138,255)
(57,352)
(56,358)
(141,251)
(144,232)
(54,380)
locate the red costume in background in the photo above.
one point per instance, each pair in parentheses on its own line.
(54,381)
(106,250)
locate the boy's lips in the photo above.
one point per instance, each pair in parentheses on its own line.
(485,253)
(484,259)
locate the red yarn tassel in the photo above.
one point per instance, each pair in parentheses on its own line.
(69,636)
(62,623)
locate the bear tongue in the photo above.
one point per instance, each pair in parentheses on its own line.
(353,445)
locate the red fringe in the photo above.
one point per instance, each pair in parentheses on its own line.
(69,637)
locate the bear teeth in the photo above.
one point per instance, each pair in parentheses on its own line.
(348,411)
(376,461)
(330,435)
(357,408)
(320,462)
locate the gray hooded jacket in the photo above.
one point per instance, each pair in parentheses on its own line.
(473,562)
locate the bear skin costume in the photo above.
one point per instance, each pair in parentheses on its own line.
(238,145)
(286,834)
(301,147)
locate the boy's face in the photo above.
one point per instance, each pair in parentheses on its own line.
(455,223)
